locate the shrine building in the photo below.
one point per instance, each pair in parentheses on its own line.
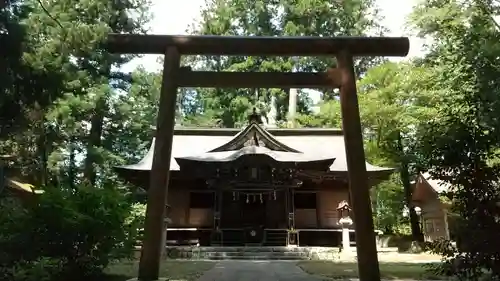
(256,186)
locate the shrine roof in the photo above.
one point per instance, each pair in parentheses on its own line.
(281,156)
(437,185)
(22,186)
(310,143)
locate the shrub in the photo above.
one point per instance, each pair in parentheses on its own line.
(13,235)
(135,221)
(42,269)
(79,231)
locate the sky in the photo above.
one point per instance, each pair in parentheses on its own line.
(173,17)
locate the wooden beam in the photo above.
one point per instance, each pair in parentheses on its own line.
(210,79)
(152,246)
(358,177)
(258,45)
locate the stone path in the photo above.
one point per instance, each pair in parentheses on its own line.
(256,271)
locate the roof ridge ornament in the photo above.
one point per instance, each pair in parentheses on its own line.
(255,117)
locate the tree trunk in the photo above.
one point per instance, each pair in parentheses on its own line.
(94,141)
(405,180)
(72,163)
(43,151)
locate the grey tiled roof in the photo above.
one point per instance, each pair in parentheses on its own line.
(312,143)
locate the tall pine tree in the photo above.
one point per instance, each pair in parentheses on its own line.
(274,18)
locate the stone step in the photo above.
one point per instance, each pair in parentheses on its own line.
(251,254)
(245,253)
(255,257)
(263,254)
(227,249)
(258,249)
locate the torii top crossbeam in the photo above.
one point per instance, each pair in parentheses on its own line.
(258,45)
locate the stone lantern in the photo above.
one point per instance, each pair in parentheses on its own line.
(345,222)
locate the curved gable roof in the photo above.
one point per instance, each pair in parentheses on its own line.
(255,135)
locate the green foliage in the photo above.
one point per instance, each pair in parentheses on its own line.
(394,100)
(135,221)
(65,91)
(13,218)
(70,233)
(229,108)
(328,116)
(42,269)
(458,143)
(388,205)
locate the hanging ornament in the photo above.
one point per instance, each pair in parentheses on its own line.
(253,198)
(261,201)
(274,195)
(234,196)
(248,199)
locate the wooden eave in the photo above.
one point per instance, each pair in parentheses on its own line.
(320,164)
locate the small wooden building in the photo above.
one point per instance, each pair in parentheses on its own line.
(255,186)
(434,213)
(24,191)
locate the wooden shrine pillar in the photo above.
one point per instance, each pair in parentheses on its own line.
(286,197)
(216,236)
(356,168)
(290,217)
(217,208)
(291,194)
(152,246)
(289,208)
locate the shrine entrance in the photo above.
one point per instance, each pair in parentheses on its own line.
(253,220)
(342,76)
(247,217)
(253,211)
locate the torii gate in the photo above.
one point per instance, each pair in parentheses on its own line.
(342,77)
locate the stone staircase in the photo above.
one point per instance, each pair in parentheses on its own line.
(256,253)
(275,238)
(251,253)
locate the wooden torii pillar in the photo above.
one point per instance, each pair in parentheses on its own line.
(174,76)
